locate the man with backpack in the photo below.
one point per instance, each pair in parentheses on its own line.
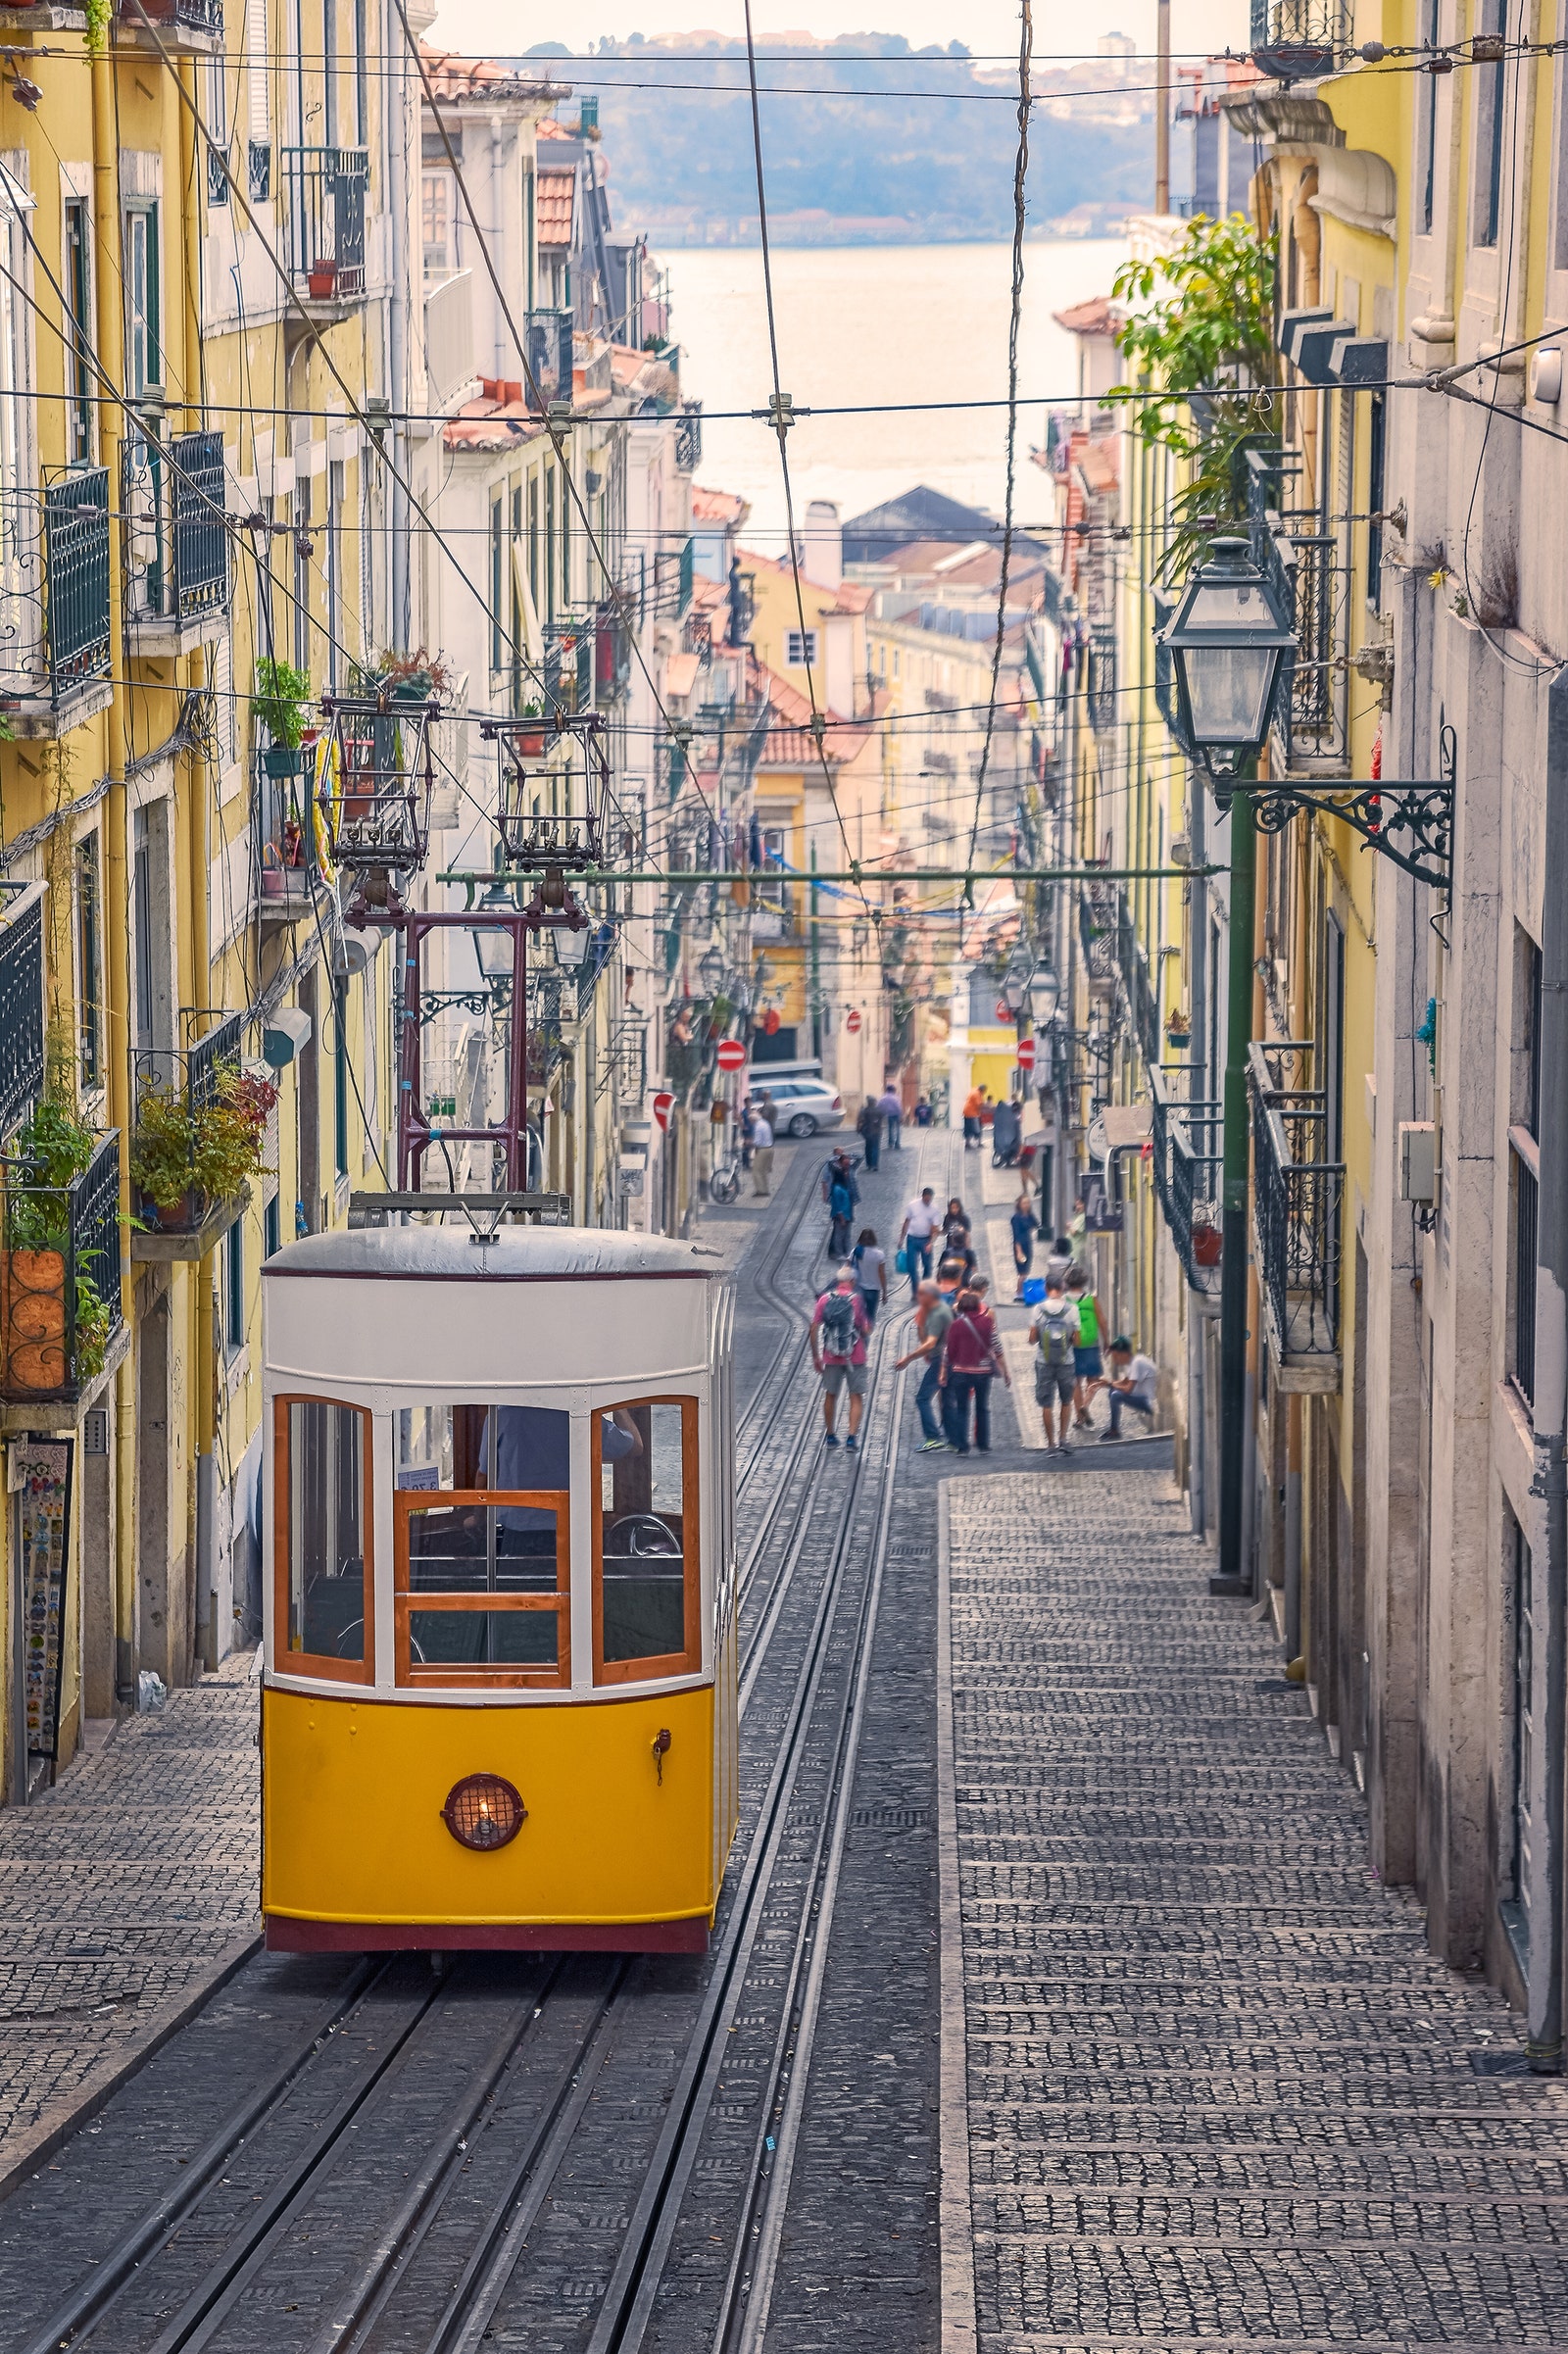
(838,1334)
(1055,1331)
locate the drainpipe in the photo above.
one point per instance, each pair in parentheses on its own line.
(1544,1993)
(394,128)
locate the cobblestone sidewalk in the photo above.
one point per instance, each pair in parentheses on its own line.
(1218,2093)
(124,1892)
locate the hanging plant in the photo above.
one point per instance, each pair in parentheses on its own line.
(279,701)
(96,37)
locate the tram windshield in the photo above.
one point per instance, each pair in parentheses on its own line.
(326,1448)
(484,1564)
(646,1546)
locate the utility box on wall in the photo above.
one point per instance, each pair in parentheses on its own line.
(1418,1160)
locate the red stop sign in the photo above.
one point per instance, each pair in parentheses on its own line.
(731,1054)
(1026,1054)
(663,1106)
(853,1018)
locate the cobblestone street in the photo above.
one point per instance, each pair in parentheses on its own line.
(1218,2093)
(127,1889)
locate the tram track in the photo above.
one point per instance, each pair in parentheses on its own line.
(500,2158)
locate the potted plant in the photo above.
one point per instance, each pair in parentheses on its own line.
(185,1157)
(322,279)
(531,740)
(1178,1029)
(279,702)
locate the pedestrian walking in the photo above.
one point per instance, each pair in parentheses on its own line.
(761,1156)
(841,1198)
(1054,1332)
(838,1334)
(1088,1363)
(891,1107)
(748,1121)
(1059,1263)
(1132,1385)
(871,1263)
(955,1236)
(922,1113)
(1025,1226)
(915,1237)
(870,1125)
(972,1117)
(933,1313)
(971,1357)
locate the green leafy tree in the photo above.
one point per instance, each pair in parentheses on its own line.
(1200,336)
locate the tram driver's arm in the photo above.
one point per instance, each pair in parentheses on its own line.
(618,1437)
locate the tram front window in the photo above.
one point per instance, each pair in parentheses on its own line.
(483,1557)
(647,1539)
(325,1448)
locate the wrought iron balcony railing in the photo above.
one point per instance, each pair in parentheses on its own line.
(21,1018)
(1099,932)
(1101,689)
(172,501)
(1195,1168)
(1307,568)
(1142,1002)
(1298,1200)
(180,15)
(324,190)
(60,1295)
(611,653)
(689,438)
(1298,41)
(54,588)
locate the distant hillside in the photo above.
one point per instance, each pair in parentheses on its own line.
(850,168)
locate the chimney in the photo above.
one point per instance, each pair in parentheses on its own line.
(822,554)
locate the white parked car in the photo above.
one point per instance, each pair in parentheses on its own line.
(803,1105)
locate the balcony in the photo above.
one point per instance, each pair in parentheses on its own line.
(187,27)
(547,335)
(612,655)
(59,1290)
(1143,1002)
(674,577)
(449,337)
(1099,935)
(55,639)
(177,575)
(322,191)
(1197,1164)
(1298,40)
(22,1023)
(1306,569)
(1298,1200)
(185,1100)
(689,438)
(291,884)
(1101,688)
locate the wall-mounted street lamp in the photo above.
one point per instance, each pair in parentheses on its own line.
(1044,995)
(1227,641)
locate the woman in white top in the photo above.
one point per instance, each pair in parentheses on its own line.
(762,1154)
(870,1272)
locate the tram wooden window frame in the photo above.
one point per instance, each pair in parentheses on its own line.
(318,1664)
(669,1663)
(446,1676)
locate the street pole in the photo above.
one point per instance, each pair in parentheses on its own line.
(1233,1577)
(1162,107)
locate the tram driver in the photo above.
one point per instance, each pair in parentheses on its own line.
(532,1449)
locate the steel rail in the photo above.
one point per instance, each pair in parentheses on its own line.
(82,2308)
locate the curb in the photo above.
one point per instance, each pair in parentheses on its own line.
(58,2123)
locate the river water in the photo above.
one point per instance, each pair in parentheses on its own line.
(870,324)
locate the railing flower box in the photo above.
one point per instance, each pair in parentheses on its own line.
(59,1290)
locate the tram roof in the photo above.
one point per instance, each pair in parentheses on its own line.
(518,1254)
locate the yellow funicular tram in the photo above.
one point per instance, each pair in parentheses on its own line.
(499,1705)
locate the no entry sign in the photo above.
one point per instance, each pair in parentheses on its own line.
(853,1018)
(663,1106)
(1026,1054)
(731,1054)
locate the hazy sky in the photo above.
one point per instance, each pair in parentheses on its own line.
(510,25)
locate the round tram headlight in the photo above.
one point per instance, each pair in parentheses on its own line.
(483,1812)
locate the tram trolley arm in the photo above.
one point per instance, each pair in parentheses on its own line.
(368,1209)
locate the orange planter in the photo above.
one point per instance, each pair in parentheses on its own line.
(32,1322)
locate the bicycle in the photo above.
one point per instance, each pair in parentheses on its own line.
(724,1185)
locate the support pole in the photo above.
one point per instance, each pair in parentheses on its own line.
(1550,1890)
(1163,108)
(1233,1434)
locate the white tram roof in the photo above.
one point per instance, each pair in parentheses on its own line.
(518,1254)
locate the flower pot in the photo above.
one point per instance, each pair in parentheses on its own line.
(321,277)
(1178,1038)
(531,743)
(175,1217)
(32,1322)
(272,882)
(1208,1246)
(283,759)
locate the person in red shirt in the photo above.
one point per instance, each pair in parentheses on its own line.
(839,1329)
(971,1356)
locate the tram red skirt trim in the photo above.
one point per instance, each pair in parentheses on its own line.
(286,1935)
